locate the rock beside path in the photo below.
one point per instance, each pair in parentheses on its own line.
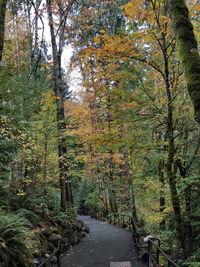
(69,235)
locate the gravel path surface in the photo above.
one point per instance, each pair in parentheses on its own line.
(104,245)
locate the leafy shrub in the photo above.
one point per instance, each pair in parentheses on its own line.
(91,201)
(15,241)
(66,216)
(61,218)
(52,200)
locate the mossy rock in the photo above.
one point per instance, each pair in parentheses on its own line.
(77,226)
(67,233)
(46,246)
(54,239)
(81,222)
(75,240)
(86,229)
(46,232)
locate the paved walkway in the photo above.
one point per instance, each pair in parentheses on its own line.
(105,246)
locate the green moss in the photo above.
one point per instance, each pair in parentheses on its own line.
(188,51)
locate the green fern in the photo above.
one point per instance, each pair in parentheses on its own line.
(29,215)
(194,260)
(15,241)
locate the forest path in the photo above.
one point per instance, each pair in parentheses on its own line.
(105,246)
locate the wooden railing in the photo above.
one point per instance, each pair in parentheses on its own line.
(53,259)
(154,252)
(151,249)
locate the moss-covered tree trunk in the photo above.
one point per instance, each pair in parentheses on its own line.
(188,51)
(170,162)
(3,4)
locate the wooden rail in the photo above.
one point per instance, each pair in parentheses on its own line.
(53,259)
(159,251)
(152,248)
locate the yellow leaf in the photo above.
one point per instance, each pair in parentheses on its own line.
(21,194)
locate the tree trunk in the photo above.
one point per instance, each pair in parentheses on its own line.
(162,197)
(103,197)
(3,4)
(111,190)
(188,231)
(126,171)
(58,91)
(126,178)
(172,183)
(171,173)
(110,163)
(69,196)
(188,51)
(45,158)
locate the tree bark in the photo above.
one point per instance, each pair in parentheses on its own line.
(103,197)
(172,180)
(127,181)
(188,51)
(171,173)
(188,229)
(3,4)
(58,91)
(162,197)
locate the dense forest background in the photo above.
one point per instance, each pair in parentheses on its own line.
(126,140)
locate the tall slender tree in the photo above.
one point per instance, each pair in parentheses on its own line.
(59,90)
(3,4)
